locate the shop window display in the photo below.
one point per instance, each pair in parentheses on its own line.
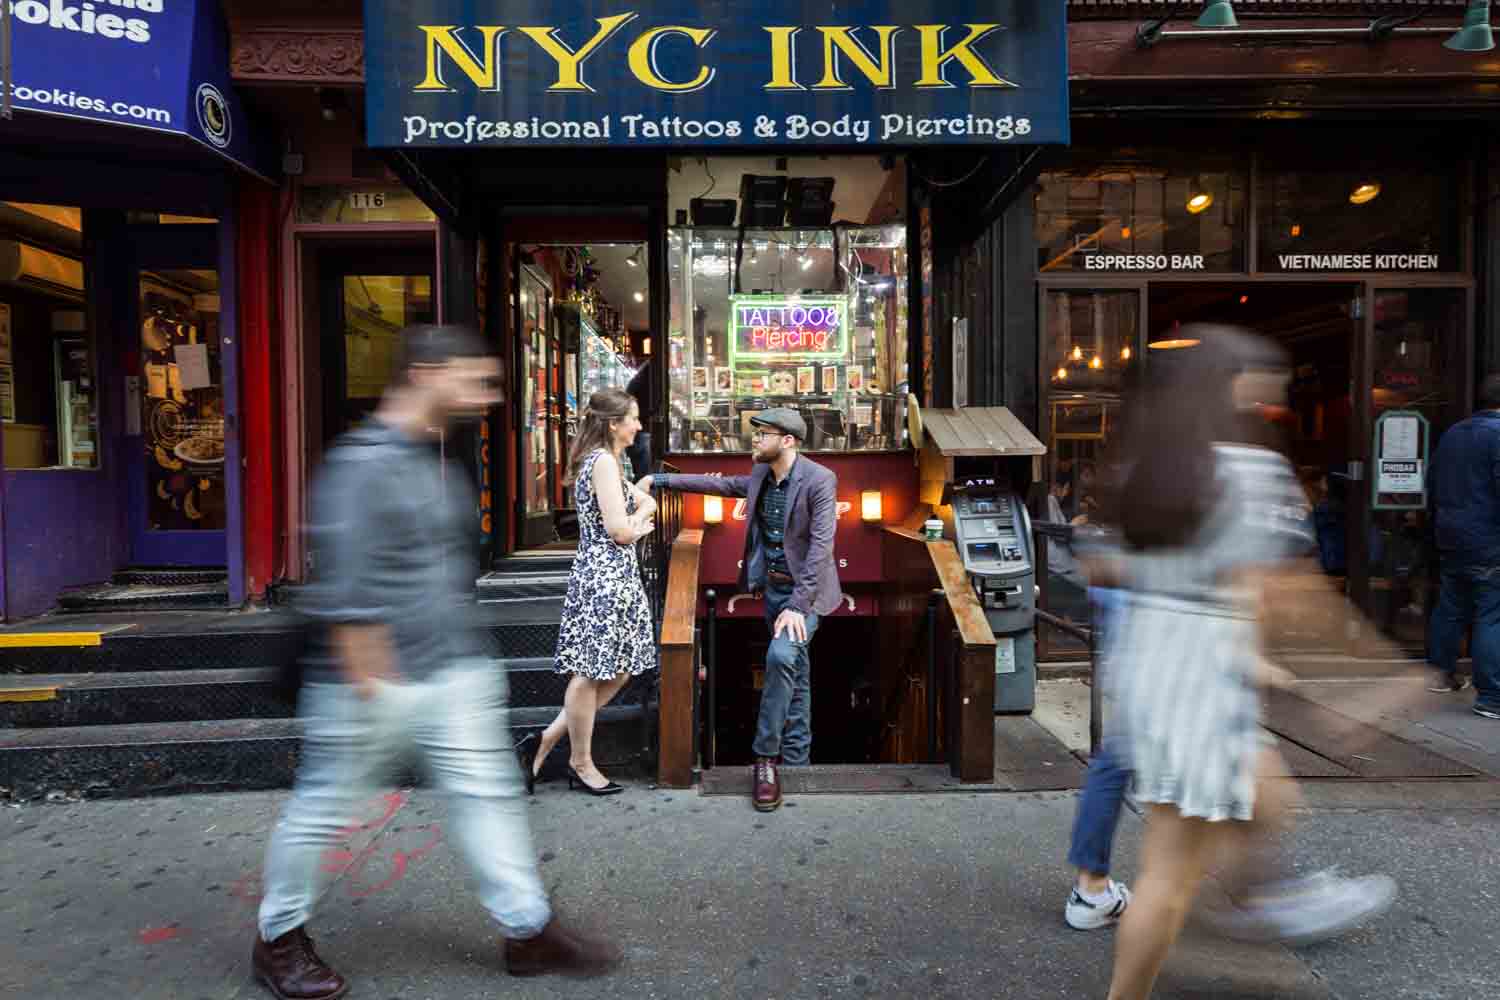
(814,319)
(182,400)
(48,383)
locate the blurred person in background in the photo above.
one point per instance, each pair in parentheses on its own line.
(1205,522)
(393,665)
(607,635)
(1465,481)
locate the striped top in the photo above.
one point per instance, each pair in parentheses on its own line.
(1263,517)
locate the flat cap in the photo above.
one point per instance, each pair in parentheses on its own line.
(783,419)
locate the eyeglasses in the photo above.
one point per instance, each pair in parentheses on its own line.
(762,435)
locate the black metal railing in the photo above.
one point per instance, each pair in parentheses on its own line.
(655,550)
(1043,534)
(654,554)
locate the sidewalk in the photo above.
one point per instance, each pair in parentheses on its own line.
(934,896)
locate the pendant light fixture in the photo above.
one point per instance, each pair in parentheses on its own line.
(1476,35)
(1200,198)
(1218,14)
(1365,192)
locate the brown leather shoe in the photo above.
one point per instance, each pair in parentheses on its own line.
(561,950)
(765,778)
(292,970)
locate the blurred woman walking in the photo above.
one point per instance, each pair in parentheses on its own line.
(1206,521)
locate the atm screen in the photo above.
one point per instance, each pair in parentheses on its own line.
(984,506)
(984,550)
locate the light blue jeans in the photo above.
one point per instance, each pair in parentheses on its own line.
(456,721)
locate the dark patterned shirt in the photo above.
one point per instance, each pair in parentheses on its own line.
(772,516)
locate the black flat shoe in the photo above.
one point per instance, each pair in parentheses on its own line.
(526,753)
(574,781)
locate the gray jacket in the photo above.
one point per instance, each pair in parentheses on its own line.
(392,543)
(811,520)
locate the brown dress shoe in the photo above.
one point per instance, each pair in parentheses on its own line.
(562,950)
(765,780)
(292,970)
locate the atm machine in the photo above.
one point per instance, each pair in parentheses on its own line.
(977,466)
(993,534)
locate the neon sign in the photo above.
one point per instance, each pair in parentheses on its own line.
(770,327)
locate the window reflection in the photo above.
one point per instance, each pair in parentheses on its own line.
(1129,218)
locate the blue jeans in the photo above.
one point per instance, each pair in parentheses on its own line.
(1099,812)
(785,726)
(456,720)
(1469,595)
(1104,786)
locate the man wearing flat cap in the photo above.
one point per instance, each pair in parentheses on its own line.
(788,558)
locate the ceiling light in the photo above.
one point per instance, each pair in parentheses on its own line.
(1365,193)
(1095,363)
(1200,202)
(640,297)
(1296,231)
(1077,353)
(1124,354)
(1174,344)
(1062,375)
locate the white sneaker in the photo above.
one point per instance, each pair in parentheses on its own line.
(1306,911)
(1082,915)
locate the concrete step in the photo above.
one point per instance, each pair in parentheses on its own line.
(32,701)
(149,758)
(143,597)
(529,630)
(240,754)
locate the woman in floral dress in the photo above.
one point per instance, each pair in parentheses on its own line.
(606,636)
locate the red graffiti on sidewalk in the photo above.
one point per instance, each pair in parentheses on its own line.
(156,935)
(365,862)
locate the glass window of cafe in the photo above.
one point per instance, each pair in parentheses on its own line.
(816,321)
(1117,242)
(48,384)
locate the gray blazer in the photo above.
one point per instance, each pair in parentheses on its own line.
(811,518)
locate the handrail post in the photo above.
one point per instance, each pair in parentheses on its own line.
(711,661)
(932,654)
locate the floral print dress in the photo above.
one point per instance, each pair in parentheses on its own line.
(606,623)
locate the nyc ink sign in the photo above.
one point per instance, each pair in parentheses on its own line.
(728,73)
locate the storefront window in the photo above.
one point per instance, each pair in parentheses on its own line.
(333,204)
(1395,218)
(1112,218)
(48,383)
(182,400)
(817,321)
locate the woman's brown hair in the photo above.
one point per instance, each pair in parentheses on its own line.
(1174,414)
(605,407)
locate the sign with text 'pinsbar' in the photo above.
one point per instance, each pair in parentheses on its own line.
(715,73)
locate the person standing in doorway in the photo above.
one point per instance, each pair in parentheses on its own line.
(393,665)
(789,558)
(1465,482)
(607,636)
